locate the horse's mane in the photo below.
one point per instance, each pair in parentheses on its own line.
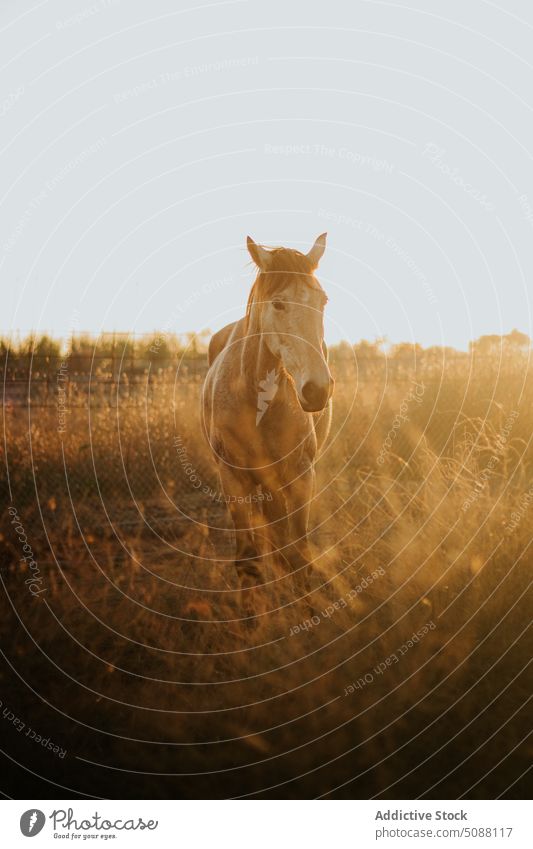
(282,263)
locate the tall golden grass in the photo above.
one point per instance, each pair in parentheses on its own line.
(404,675)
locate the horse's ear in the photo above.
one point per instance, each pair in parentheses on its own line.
(259,255)
(315,254)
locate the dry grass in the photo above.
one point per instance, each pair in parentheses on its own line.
(135,658)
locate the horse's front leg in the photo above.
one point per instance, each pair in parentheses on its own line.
(299,494)
(237,490)
(288,518)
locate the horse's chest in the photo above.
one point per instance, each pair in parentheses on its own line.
(290,439)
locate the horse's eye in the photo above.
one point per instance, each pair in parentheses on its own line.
(278,305)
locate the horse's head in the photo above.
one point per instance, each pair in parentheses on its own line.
(286,306)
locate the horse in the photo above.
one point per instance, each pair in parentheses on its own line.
(266,413)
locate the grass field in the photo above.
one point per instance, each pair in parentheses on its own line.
(121,631)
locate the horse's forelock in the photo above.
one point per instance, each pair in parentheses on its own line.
(283,264)
(286,259)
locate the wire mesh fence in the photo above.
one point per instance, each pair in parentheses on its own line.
(120,369)
(99,422)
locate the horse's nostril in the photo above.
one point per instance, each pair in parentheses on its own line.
(314,395)
(308,391)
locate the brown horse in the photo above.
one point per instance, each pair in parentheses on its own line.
(267,411)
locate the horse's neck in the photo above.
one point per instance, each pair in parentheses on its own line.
(257,361)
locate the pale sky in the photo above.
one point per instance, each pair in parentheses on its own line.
(141,142)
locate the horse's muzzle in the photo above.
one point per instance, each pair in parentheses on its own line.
(315,396)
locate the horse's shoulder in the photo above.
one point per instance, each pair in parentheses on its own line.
(219,341)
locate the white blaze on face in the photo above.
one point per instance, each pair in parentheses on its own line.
(297,340)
